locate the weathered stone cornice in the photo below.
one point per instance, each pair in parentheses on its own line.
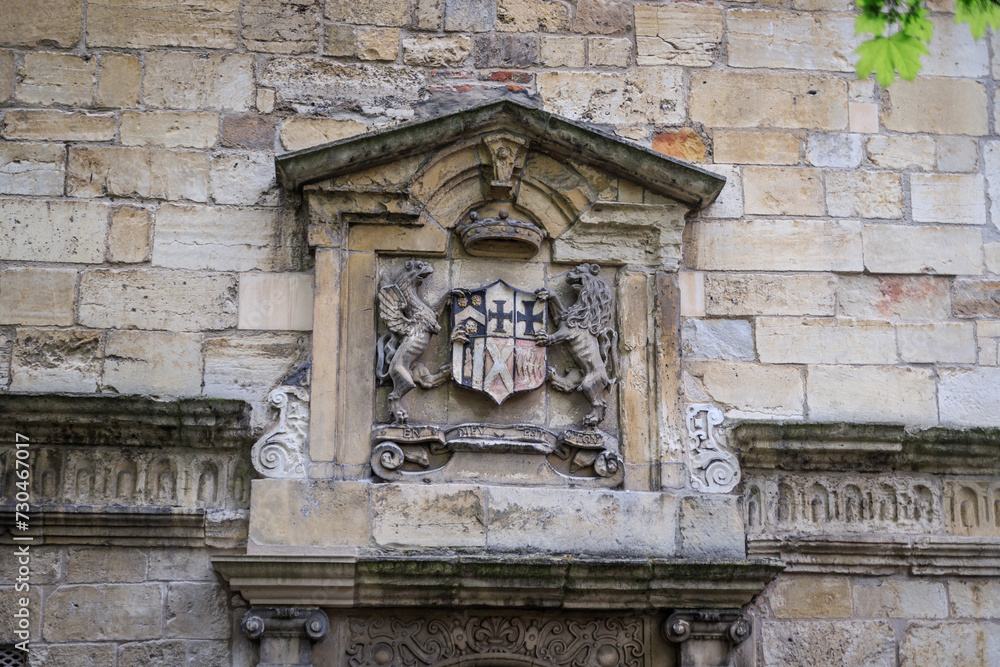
(846,447)
(495,581)
(548,132)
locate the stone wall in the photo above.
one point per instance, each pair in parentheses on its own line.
(850,270)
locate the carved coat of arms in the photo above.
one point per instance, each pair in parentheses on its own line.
(494,340)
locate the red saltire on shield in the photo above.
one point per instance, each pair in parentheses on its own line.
(499,356)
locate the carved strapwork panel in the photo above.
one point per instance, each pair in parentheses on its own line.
(714,469)
(283,450)
(484,293)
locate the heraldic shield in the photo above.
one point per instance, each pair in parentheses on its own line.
(493,337)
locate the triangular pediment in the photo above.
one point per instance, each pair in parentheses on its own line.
(559,137)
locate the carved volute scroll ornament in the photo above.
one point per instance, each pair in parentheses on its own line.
(713,468)
(283,451)
(411,324)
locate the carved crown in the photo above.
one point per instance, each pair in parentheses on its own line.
(502,235)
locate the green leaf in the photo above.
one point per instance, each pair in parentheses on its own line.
(915,25)
(867,22)
(887,55)
(979,15)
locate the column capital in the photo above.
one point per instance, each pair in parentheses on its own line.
(707,637)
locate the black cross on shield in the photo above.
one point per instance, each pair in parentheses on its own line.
(495,352)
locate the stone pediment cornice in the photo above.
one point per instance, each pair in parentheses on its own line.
(563,138)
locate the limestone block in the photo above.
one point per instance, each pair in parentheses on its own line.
(976,298)
(178,564)
(769,294)
(37,296)
(950,644)
(976,598)
(718,339)
(823,643)
(310,85)
(995,45)
(737,99)
(377,43)
(63,360)
(684,144)
(811,597)
(602,17)
(646,95)
(408,516)
(197,611)
(776,245)
(118,82)
(96,171)
(947,342)
(9,603)
(894,297)
(153,362)
(729,203)
(609,51)
(691,285)
(746,147)
(677,34)
(216,652)
(6,348)
(901,152)
(470,15)
(6,74)
(889,394)
(169,129)
(991,162)
(711,527)
(796,41)
(117,612)
(429,14)
(900,598)
(46,564)
(189,237)
(968,397)
(375,12)
(67,655)
(825,341)
(53,231)
(276,301)
(865,194)
(246,367)
(951,198)
(992,257)
(281,27)
(863,117)
(55,125)
(157,299)
(954,52)
(340,40)
(505,50)
(532,16)
(311,515)
(150,654)
(60,25)
(137,24)
(839,151)
(32,169)
(129,237)
(248,131)
(105,565)
(52,78)
(300,133)
(957,154)
(246,179)
(437,51)
(181,80)
(581,522)
(563,51)
(781,191)
(938,106)
(941,250)
(751,391)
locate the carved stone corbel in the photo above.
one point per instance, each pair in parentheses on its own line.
(714,469)
(507,154)
(707,638)
(286,634)
(282,451)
